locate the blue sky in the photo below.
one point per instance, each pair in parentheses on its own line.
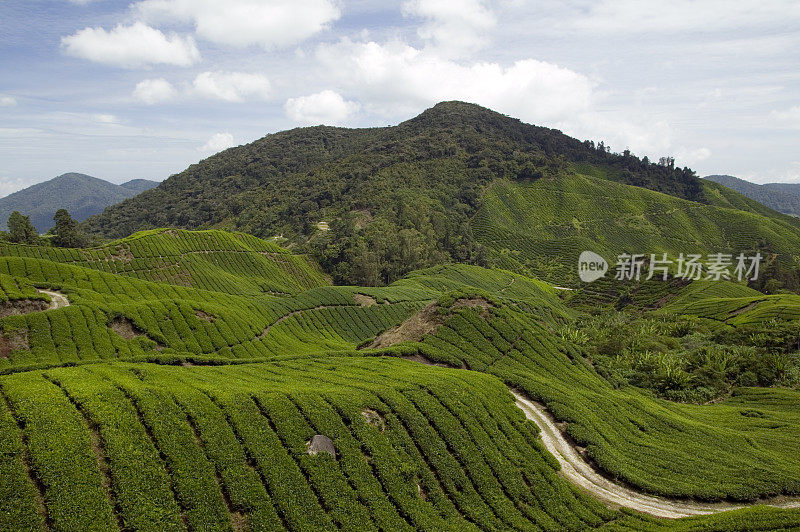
(123,90)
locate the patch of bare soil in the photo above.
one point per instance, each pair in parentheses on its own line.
(419,359)
(18,307)
(373,418)
(239,522)
(320,444)
(426,321)
(365,300)
(14,341)
(125,328)
(205,316)
(476,303)
(422,360)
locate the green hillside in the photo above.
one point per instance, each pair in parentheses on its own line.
(80,194)
(542,227)
(233,263)
(185,397)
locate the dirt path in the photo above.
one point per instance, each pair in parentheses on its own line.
(575,469)
(57,300)
(579,472)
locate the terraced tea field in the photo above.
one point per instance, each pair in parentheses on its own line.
(184,401)
(542,227)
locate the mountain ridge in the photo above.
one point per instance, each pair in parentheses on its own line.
(782,197)
(82,195)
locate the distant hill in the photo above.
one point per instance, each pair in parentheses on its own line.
(783,197)
(458,183)
(80,194)
(139,185)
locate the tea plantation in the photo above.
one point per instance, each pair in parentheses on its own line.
(182,386)
(542,227)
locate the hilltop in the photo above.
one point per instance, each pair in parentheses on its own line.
(783,197)
(410,196)
(80,194)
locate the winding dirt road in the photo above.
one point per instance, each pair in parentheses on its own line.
(575,469)
(57,300)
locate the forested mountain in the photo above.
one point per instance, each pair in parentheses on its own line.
(400,198)
(80,194)
(783,197)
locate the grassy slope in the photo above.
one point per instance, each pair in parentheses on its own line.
(543,226)
(201,443)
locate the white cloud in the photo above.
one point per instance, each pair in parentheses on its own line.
(326,107)
(7,101)
(690,157)
(153,91)
(274,23)
(217,143)
(134,46)
(402,78)
(786,174)
(9,185)
(787,118)
(453,26)
(636,131)
(232,86)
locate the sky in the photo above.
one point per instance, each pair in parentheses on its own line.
(142,89)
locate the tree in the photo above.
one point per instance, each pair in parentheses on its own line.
(66,233)
(21,230)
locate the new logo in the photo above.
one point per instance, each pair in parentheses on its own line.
(591,266)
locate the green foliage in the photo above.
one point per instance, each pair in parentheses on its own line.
(20,229)
(541,228)
(65,232)
(213,452)
(667,448)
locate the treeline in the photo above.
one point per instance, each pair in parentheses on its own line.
(65,233)
(661,176)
